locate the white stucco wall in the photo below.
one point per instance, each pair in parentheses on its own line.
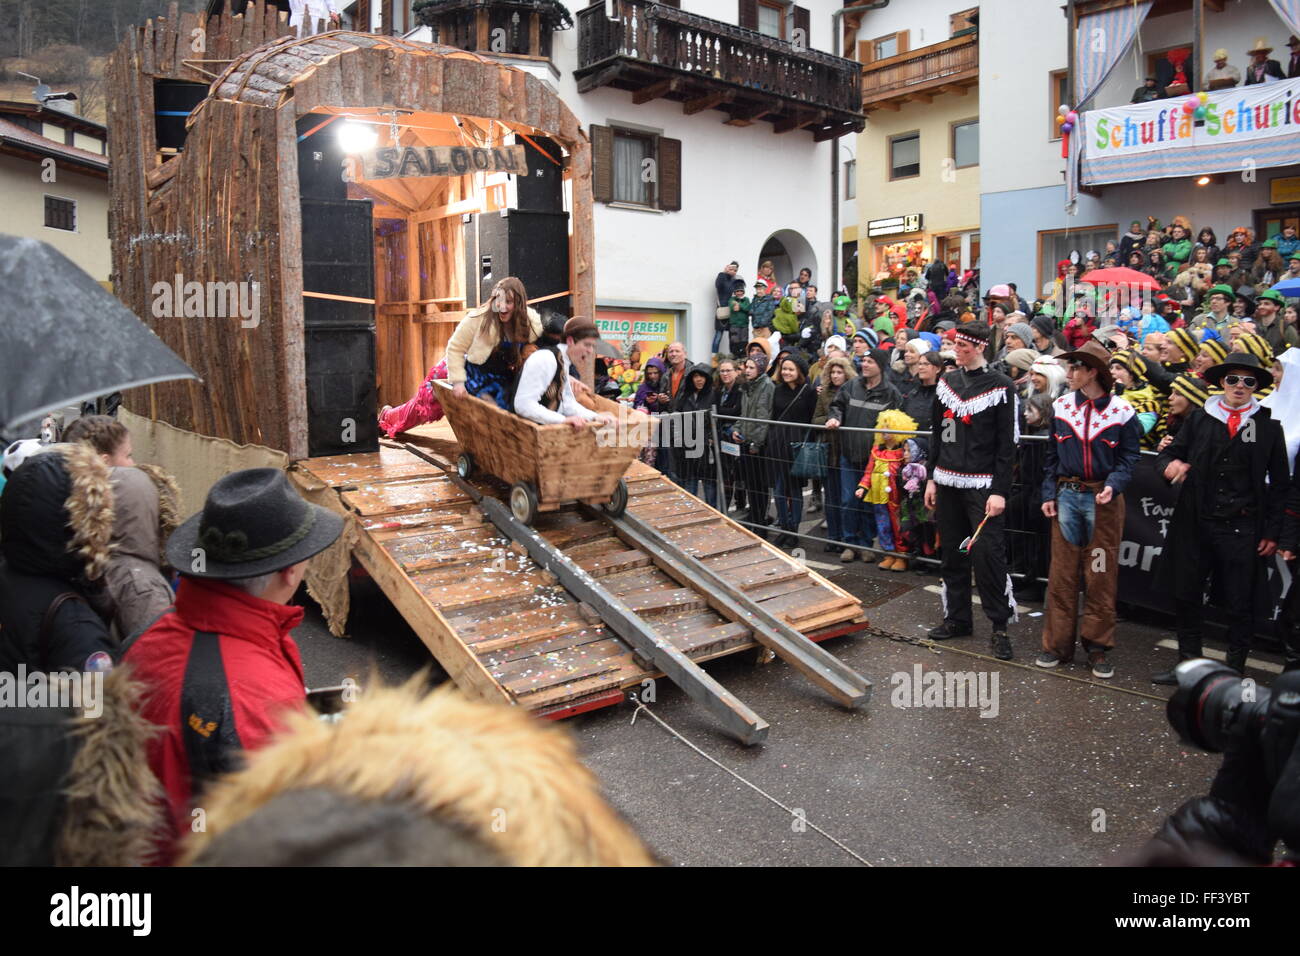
(1020,45)
(24,212)
(740,185)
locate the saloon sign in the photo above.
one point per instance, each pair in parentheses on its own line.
(407,162)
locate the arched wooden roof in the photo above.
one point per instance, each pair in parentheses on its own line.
(342,69)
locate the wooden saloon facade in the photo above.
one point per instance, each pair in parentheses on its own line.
(231,169)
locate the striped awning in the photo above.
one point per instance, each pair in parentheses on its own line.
(1242,158)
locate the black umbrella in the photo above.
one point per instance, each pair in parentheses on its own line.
(65,339)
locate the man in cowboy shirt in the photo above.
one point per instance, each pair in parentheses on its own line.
(220,667)
(1229,462)
(972,454)
(1091,453)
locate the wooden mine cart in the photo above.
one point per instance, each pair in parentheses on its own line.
(547,465)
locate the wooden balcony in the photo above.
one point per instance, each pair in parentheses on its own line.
(656,50)
(952,66)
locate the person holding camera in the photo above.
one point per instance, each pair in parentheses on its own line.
(1229,459)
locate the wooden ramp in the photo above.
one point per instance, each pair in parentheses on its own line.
(503,628)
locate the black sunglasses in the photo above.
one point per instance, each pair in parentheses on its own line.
(1246,380)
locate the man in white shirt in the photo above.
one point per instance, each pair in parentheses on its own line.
(545,392)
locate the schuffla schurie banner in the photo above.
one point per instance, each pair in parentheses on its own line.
(1238,115)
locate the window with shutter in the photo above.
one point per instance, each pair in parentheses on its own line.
(602,163)
(670,173)
(748,16)
(802,38)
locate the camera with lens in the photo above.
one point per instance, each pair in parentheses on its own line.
(1214,709)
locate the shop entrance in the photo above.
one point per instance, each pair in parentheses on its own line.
(1269,222)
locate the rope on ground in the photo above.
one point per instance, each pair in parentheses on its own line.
(937,647)
(759,790)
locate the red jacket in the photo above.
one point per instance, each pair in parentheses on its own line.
(215,695)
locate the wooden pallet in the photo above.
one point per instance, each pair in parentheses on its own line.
(504,629)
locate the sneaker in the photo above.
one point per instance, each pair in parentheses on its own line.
(848,555)
(1001,646)
(1047,659)
(946,631)
(814,503)
(868,557)
(1100,666)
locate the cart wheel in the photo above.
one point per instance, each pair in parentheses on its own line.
(617,503)
(465,464)
(523,502)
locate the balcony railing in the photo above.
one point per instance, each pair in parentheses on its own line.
(918,74)
(731,68)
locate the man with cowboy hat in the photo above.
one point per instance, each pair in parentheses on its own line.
(1221,76)
(220,666)
(972,455)
(1229,462)
(1293,65)
(1262,69)
(1091,455)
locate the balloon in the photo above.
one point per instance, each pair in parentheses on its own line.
(1066,127)
(1199,112)
(1063,109)
(1060,120)
(1072,116)
(1188,107)
(1202,96)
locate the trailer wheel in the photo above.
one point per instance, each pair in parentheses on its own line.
(465,464)
(523,502)
(617,503)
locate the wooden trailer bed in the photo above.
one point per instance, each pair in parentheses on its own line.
(504,629)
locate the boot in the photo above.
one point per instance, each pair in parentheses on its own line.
(1236,658)
(1189,647)
(1001,645)
(900,563)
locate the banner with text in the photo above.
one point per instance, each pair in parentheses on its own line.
(1240,115)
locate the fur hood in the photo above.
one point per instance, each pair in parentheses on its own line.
(510,786)
(56,515)
(114,802)
(146,503)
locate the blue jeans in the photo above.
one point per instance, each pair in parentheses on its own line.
(832,496)
(884,527)
(789,498)
(1077,512)
(717,339)
(856,525)
(710,496)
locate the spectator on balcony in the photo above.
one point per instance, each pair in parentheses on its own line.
(1147,92)
(1216,316)
(1262,69)
(1206,239)
(1178,249)
(1221,76)
(1293,64)
(1242,242)
(1287,242)
(1131,240)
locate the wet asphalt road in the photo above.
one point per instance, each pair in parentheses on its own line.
(1062,769)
